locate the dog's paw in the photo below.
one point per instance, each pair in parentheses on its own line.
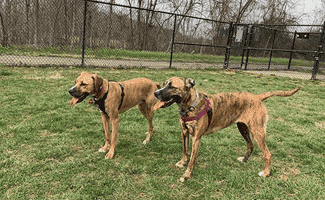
(180,164)
(109,155)
(147,140)
(101,150)
(185,176)
(241,159)
(262,174)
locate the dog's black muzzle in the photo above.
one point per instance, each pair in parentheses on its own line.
(163,95)
(75,93)
(158,94)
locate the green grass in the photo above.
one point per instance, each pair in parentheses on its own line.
(50,151)
(122,54)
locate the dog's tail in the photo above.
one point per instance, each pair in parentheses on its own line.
(264,96)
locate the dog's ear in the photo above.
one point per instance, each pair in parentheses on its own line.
(98,82)
(80,74)
(189,82)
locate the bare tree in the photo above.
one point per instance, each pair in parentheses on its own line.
(109,32)
(27,24)
(243,9)
(65,23)
(319,15)
(4,41)
(5,20)
(278,12)
(181,7)
(36,35)
(139,25)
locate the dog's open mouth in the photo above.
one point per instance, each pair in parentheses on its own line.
(163,104)
(76,100)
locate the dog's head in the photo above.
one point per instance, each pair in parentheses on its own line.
(86,84)
(174,91)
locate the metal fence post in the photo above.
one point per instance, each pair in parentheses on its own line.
(244,50)
(84,35)
(318,54)
(172,44)
(271,53)
(227,55)
(249,45)
(292,48)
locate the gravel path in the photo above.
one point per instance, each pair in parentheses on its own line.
(62,61)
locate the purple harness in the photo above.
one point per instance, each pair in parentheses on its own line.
(206,110)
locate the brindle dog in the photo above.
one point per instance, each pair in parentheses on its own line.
(203,114)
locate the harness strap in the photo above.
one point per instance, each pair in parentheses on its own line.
(209,116)
(206,110)
(100,103)
(122,95)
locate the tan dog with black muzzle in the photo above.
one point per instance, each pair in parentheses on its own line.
(203,114)
(112,98)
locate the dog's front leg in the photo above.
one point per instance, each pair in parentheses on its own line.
(185,140)
(115,123)
(105,120)
(195,148)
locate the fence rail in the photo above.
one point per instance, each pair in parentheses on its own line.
(94,24)
(246,43)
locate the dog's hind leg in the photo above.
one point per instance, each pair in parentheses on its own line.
(148,112)
(259,136)
(244,131)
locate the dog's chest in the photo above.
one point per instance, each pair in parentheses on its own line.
(189,126)
(100,103)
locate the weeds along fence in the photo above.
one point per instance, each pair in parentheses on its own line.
(105,29)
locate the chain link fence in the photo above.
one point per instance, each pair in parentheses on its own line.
(101,33)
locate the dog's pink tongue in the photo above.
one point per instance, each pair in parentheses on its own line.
(73,101)
(158,105)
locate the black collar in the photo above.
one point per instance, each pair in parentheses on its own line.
(184,113)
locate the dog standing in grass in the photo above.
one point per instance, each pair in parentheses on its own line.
(203,114)
(112,98)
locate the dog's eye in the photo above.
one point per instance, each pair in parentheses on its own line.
(83,84)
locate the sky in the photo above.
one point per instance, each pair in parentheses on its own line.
(304,6)
(308,6)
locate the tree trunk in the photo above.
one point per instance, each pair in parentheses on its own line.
(36,35)
(4,42)
(109,27)
(243,10)
(73,26)
(65,22)
(140,44)
(27,4)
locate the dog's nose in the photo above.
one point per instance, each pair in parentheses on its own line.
(157,94)
(72,90)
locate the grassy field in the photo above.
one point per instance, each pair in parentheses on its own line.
(50,150)
(122,54)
